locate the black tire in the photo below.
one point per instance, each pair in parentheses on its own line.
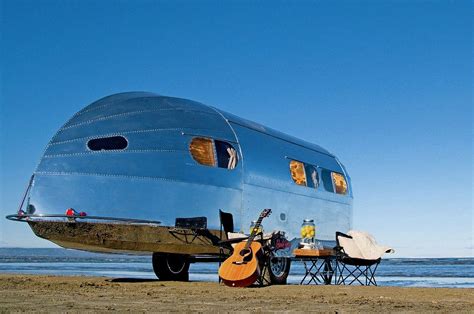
(171,267)
(279,269)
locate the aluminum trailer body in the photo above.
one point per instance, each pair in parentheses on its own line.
(140,155)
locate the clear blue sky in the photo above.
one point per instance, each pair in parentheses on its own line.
(385,85)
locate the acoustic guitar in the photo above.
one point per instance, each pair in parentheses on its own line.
(242,268)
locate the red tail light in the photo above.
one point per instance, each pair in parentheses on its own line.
(70,212)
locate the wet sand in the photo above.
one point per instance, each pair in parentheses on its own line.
(59,294)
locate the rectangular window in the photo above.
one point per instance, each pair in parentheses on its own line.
(339,183)
(327,180)
(312,176)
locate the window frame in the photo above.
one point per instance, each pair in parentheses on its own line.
(321,182)
(305,166)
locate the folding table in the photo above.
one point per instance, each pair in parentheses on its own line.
(318,265)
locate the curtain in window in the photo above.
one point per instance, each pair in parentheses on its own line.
(339,183)
(202,150)
(232,158)
(297,172)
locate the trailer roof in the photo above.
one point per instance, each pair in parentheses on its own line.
(101,109)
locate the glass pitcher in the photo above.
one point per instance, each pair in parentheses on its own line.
(308,231)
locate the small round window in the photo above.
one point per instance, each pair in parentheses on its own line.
(108,143)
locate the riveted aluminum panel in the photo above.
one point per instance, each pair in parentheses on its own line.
(144,120)
(133,197)
(271,132)
(176,166)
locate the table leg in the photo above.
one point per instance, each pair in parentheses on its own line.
(328,271)
(309,271)
(314,275)
(306,272)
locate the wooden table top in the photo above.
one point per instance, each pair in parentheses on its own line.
(313,253)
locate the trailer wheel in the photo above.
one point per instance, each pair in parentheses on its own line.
(279,270)
(171,267)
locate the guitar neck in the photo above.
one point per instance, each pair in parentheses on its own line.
(254,232)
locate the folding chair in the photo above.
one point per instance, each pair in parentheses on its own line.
(357,258)
(227,234)
(227,224)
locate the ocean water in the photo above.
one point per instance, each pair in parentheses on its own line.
(406,272)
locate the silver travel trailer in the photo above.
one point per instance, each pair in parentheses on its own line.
(135,162)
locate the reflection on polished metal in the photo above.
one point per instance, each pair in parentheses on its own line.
(109,237)
(41,217)
(143,170)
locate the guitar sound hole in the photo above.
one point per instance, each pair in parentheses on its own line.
(244,252)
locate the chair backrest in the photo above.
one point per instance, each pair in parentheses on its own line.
(346,242)
(358,244)
(227,221)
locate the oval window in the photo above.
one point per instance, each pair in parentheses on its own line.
(108,143)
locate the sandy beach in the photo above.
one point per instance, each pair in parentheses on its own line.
(61,293)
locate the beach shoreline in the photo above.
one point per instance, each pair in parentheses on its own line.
(78,293)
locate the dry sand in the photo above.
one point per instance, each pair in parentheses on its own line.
(73,294)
